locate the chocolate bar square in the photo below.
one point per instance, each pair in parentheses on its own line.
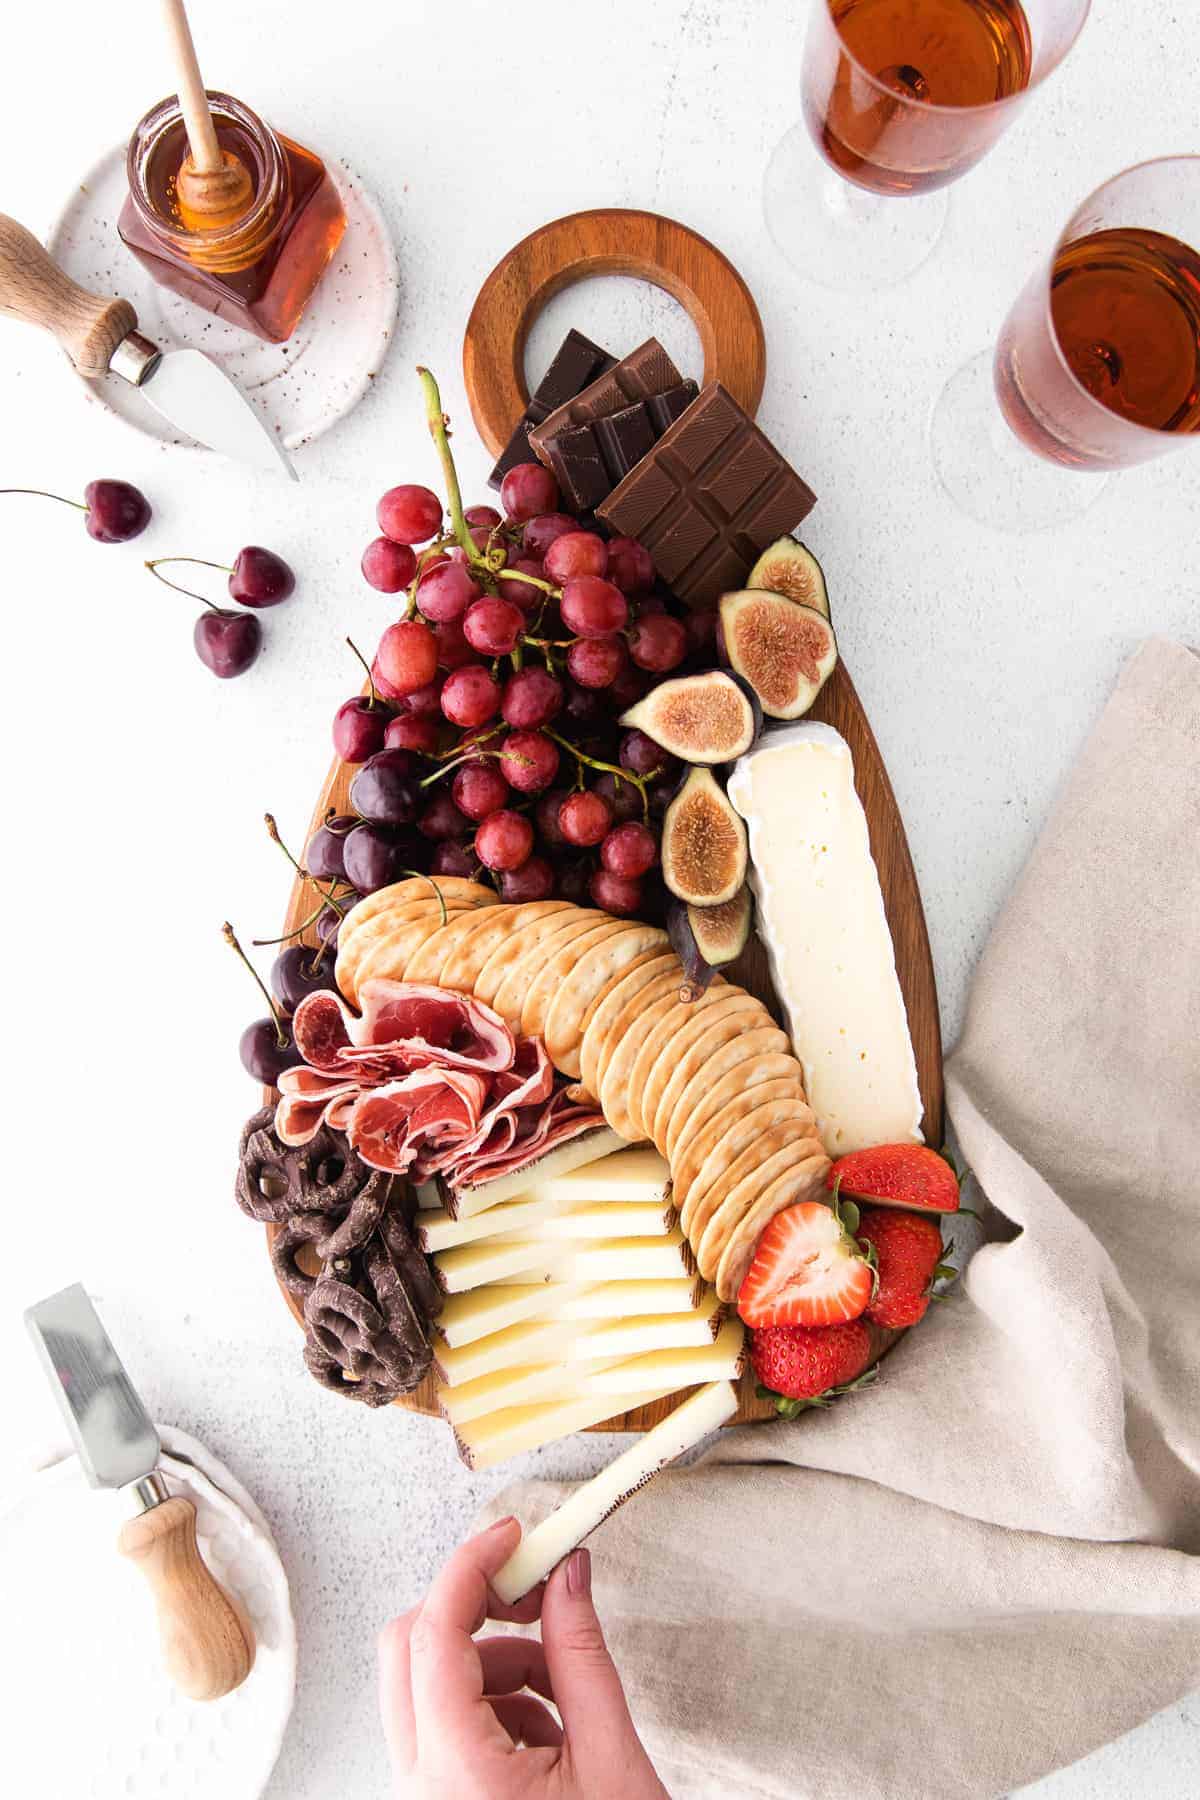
(645,371)
(589,460)
(708,498)
(576,364)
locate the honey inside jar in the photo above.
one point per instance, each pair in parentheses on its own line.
(255,266)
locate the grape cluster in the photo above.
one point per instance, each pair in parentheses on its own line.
(490,745)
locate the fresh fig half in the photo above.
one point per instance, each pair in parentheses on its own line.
(706,938)
(786,651)
(788,568)
(709,718)
(704,851)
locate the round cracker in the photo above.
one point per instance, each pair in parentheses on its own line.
(526,956)
(353,948)
(626,1018)
(805,1181)
(697,1162)
(625,1040)
(609,1004)
(593,974)
(746,1072)
(783,1147)
(414,887)
(658,1043)
(461,969)
(707,1062)
(736,1014)
(520,940)
(558,967)
(427,963)
(390,956)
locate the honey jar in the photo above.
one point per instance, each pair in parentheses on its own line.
(257,269)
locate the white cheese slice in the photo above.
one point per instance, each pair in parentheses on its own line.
(485,1311)
(471,1265)
(484,1442)
(719,1361)
(577,1340)
(576,1153)
(613,1259)
(623,1299)
(821,914)
(546,1544)
(442,1231)
(636,1173)
(547,1220)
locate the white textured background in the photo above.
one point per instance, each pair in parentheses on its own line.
(138,782)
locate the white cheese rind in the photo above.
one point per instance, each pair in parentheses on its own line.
(542,1548)
(821,914)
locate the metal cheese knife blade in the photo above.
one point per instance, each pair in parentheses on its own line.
(207,1649)
(101,338)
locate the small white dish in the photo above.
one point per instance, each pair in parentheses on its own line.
(302,387)
(90,1710)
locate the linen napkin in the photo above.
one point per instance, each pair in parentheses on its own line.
(988,1564)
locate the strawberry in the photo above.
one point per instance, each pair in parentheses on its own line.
(908,1251)
(797,1366)
(807,1270)
(907,1175)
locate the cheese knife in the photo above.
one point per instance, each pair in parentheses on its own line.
(101,337)
(207,1650)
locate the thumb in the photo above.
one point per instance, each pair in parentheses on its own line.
(587,1688)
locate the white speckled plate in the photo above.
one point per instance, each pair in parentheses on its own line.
(302,387)
(87,1703)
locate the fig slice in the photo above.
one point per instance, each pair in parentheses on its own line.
(709,718)
(704,853)
(786,651)
(706,938)
(790,569)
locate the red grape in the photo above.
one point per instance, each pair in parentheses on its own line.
(387,565)
(424,702)
(576,553)
(641,754)
(659,795)
(657,643)
(645,604)
(628,685)
(532,697)
(528,490)
(452,858)
(493,626)
(584,706)
(471,696)
(629,851)
(383,686)
(453,650)
(412,732)
(584,818)
(446,592)
(573,879)
(615,893)
(629,565)
(482,515)
(534,880)
(442,819)
(409,514)
(596,662)
(479,789)
(541,532)
(523,592)
(358,729)
(701,627)
(593,608)
(408,655)
(622,797)
(546,815)
(504,840)
(528,761)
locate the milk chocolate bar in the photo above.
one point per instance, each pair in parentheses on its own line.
(589,460)
(708,499)
(645,371)
(577,363)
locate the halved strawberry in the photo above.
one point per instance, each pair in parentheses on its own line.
(807,1270)
(908,1175)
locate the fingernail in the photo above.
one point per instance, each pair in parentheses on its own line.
(579,1574)
(509,1519)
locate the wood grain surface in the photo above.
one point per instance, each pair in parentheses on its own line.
(607,241)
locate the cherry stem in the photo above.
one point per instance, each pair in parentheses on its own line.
(289,936)
(230,936)
(190,592)
(374,700)
(43,495)
(438,424)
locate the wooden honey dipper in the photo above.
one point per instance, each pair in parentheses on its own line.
(213,187)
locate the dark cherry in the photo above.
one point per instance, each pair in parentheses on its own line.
(452,858)
(360,729)
(329,922)
(442,819)
(259,577)
(116,511)
(325,855)
(262,1055)
(227,642)
(534,880)
(375,857)
(296,972)
(574,878)
(384,792)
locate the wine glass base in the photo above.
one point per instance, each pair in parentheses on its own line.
(988,472)
(837,234)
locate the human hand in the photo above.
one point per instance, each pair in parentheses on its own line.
(454,1713)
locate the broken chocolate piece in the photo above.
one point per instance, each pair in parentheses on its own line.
(645,371)
(589,460)
(577,363)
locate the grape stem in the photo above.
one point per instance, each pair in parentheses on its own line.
(43,495)
(438,424)
(167,582)
(536,581)
(374,700)
(230,936)
(605,768)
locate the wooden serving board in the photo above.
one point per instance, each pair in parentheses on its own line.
(614,241)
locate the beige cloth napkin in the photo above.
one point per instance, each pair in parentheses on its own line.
(988,1564)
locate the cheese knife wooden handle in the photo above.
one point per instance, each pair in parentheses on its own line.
(207,1650)
(34,289)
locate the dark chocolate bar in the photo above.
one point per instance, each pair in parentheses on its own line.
(708,499)
(645,371)
(576,364)
(589,460)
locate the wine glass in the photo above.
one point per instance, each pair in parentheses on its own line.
(900,97)
(1097,366)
